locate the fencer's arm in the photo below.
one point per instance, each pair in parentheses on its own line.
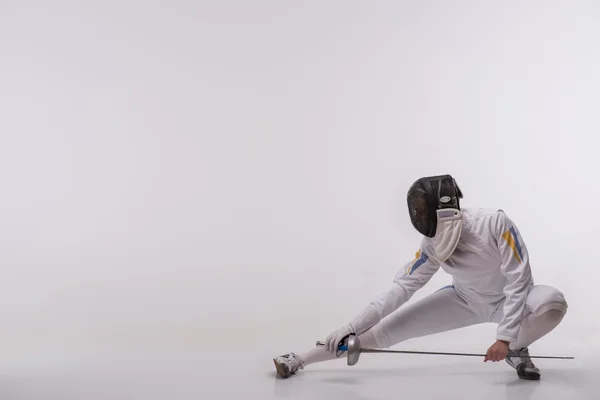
(515,267)
(410,279)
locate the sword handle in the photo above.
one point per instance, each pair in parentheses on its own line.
(341,348)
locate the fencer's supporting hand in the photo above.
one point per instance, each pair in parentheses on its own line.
(497,352)
(333,340)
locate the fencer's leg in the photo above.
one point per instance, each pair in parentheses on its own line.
(546,307)
(533,328)
(439,312)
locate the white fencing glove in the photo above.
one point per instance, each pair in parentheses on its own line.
(335,338)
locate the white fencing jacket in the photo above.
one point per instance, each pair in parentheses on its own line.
(490,264)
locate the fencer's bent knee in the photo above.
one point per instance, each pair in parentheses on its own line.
(544,298)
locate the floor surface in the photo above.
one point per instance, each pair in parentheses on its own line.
(234,374)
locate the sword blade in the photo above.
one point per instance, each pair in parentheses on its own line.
(435,353)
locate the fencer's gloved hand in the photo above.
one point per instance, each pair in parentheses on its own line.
(336,337)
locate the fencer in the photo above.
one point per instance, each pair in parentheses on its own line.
(492,282)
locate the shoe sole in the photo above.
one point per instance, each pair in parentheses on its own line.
(282,369)
(533,377)
(530,376)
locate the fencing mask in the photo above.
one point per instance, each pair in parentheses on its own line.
(434,209)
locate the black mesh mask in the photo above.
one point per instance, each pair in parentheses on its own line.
(426,196)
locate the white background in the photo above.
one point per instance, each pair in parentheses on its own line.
(206,174)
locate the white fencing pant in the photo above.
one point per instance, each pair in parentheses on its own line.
(445,310)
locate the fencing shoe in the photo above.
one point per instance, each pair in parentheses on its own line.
(287,364)
(521,361)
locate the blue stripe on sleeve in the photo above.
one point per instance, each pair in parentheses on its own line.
(517,243)
(422,260)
